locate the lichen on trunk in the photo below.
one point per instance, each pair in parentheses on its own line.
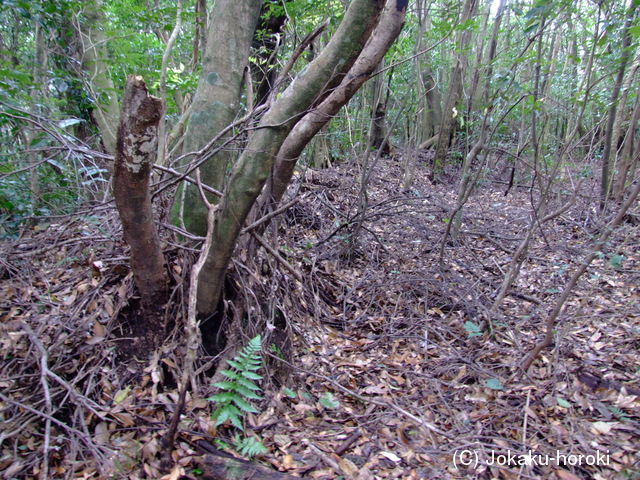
(135,154)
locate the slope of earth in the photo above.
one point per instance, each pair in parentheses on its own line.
(401,365)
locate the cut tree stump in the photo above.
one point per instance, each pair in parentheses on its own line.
(136,151)
(137,141)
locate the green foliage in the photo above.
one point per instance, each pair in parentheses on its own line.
(472,329)
(249,446)
(328,402)
(238,391)
(620,414)
(494,384)
(289,393)
(616,261)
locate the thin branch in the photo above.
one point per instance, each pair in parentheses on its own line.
(277,256)
(559,307)
(269,216)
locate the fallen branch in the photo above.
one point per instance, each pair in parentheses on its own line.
(559,307)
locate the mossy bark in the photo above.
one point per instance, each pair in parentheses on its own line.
(217,98)
(254,165)
(381,39)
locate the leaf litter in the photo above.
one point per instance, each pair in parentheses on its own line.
(388,374)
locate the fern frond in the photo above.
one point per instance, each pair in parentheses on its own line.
(233,402)
(249,447)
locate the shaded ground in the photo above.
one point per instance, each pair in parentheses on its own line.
(391,378)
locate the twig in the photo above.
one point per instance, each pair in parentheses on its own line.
(326,458)
(193,338)
(269,216)
(346,445)
(76,432)
(367,400)
(44,369)
(277,256)
(559,307)
(71,241)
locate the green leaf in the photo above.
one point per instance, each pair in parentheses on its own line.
(327,401)
(222,397)
(289,393)
(251,376)
(121,395)
(235,364)
(616,260)
(246,393)
(226,385)
(244,405)
(472,329)
(494,384)
(231,374)
(245,382)
(249,447)
(563,403)
(230,413)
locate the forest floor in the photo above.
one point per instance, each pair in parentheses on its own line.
(390,372)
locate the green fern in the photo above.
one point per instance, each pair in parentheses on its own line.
(249,446)
(239,389)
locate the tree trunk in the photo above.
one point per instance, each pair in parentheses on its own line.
(136,150)
(37,94)
(609,148)
(321,157)
(379,112)
(266,41)
(95,61)
(459,63)
(384,35)
(217,98)
(253,167)
(463,192)
(617,124)
(626,156)
(433,111)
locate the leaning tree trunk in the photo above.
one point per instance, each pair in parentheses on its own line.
(382,38)
(251,172)
(610,149)
(135,154)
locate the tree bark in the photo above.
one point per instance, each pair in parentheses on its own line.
(253,167)
(135,153)
(610,150)
(95,61)
(459,65)
(626,156)
(382,38)
(217,98)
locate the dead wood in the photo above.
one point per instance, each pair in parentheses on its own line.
(135,154)
(221,467)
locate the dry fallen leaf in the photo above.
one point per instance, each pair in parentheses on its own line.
(287,461)
(101,433)
(391,456)
(347,466)
(603,427)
